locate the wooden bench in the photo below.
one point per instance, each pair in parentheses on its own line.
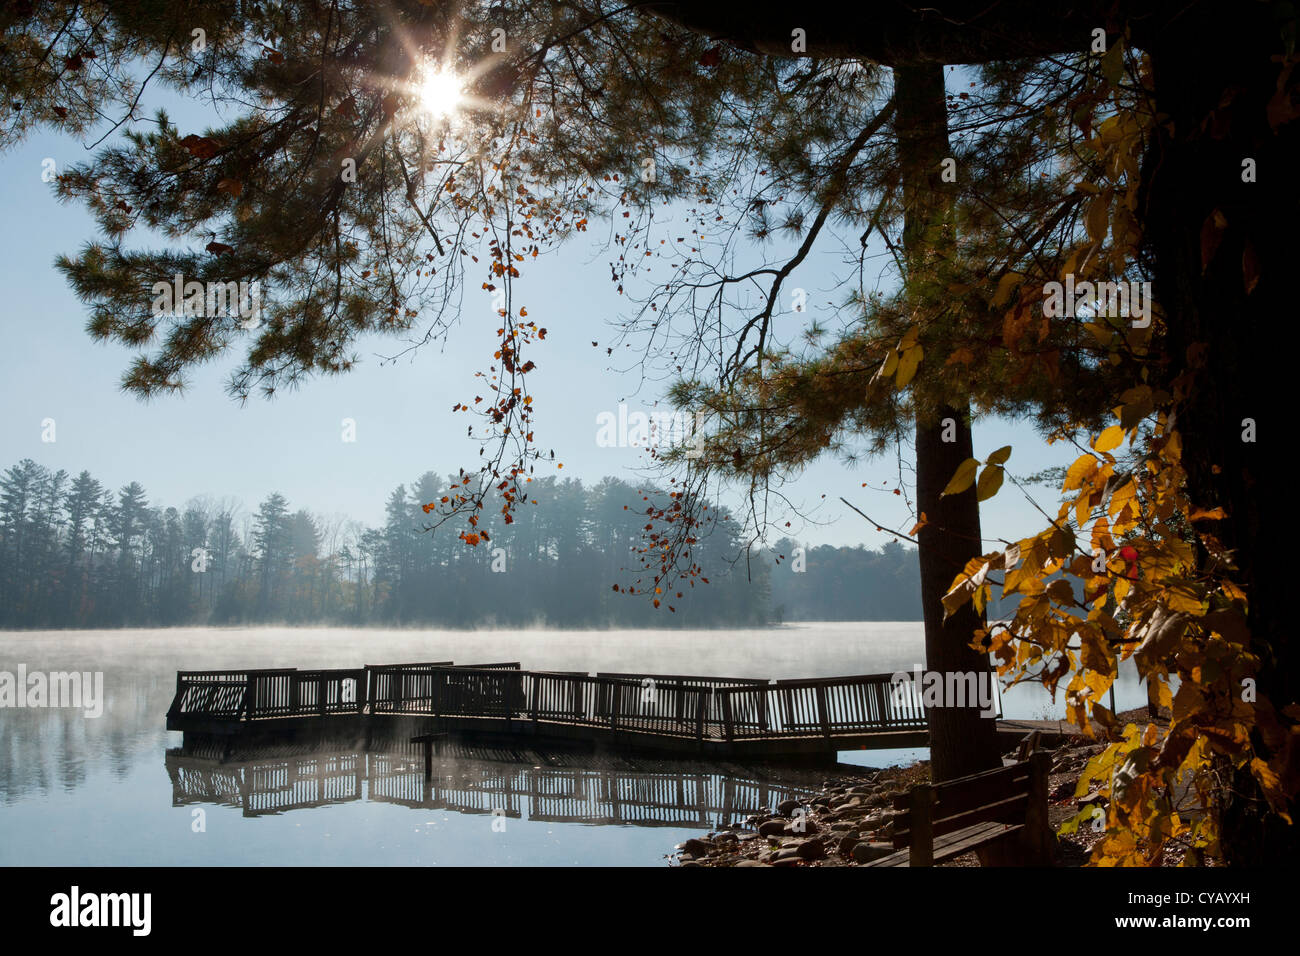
(1004,808)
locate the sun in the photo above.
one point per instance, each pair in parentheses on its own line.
(441,92)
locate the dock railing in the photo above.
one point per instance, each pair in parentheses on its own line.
(821,706)
(216,694)
(395,688)
(712,708)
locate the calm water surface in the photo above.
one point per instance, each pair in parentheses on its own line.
(119,790)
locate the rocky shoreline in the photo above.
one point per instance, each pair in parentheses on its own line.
(850,822)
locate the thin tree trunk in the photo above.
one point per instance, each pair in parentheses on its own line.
(961,740)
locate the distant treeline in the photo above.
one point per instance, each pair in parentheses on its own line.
(75,554)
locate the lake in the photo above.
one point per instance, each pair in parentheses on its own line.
(118,790)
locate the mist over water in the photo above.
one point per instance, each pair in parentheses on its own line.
(98,791)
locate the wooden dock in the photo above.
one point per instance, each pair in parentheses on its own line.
(710,717)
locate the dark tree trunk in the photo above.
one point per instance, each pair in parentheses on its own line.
(1215,78)
(961,740)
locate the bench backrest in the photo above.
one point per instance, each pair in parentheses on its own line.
(1002,795)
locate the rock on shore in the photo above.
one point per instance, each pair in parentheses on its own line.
(849,822)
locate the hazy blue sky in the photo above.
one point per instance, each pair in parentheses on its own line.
(205,443)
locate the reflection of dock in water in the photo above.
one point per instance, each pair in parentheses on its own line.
(550,787)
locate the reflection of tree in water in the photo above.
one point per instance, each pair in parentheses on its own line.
(47,749)
(562,788)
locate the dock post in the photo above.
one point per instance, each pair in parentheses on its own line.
(1039,837)
(921,852)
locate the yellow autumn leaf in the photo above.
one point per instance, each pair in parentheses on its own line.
(1083,817)
(1121,496)
(1121,589)
(1082,508)
(1096,218)
(1061,592)
(960,592)
(989,483)
(1006,284)
(962,477)
(1112,71)
(1103,333)
(1099,661)
(1164,695)
(1271,785)
(1083,467)
(1184,598)
(1109,439)
(907,365)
